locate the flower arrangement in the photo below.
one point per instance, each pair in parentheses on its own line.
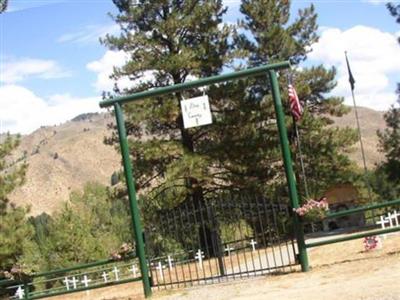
(372,242)
(313,210)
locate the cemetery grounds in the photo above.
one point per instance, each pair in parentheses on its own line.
(339,271)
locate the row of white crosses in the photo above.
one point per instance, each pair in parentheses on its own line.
(391,216)
(72,282)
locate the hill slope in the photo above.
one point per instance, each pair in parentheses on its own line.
(370,122)
(63,158)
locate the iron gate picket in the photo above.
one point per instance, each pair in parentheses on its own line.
(231,236)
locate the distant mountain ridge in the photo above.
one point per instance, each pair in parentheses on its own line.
(63,158)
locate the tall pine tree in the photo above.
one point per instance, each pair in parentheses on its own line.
(387,177)
(273,38)
(14,231)
(171,42)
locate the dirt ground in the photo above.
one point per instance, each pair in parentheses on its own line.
(339,271)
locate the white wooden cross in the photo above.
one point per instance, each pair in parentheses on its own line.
(66,282)
(116,273)
(229,249)
(170,260)
(160,268)
(382,222)
(20,293)
(133,269)
(74,281)
(393,216)
(86,281)
(253,244)
(105,276)
(199,256)
(389,218)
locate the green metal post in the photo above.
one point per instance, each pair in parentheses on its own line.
(137,226)
(287,160)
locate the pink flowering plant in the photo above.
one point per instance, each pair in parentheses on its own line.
(313,210)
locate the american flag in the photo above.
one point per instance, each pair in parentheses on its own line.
(295,105)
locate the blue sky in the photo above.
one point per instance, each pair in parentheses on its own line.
(53,66)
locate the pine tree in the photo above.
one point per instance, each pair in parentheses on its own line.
(172,42)
(274,38)
(240,150)
(89,227)
(387,174)
(14,231)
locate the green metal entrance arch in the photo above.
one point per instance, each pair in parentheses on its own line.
(270,71)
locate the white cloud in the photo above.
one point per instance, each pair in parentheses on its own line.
(21,111)
(16,70)
(89,34)
(104,68)
(374,58)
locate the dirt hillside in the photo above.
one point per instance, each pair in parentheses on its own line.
(63,158)
(370,122)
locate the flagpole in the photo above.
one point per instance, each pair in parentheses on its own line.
(297,135)
(296,131)
(352,81)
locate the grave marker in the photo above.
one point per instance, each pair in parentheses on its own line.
(86,281)
(253,244)
(199,256)
(20,293)
(170,260)
(66,282)
(229,249)
(116,273)
(74,281)
(133,269)
(105,276)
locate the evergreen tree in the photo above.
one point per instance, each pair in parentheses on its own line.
(176,39)
(89,227)
(387,175)
(14,231)
(173,41)
(273,38)
(389,140)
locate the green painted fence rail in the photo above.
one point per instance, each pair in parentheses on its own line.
(82,289)
(82,266)
(32,289)
(353,237)
(362,209)
(358,235)
(262,70)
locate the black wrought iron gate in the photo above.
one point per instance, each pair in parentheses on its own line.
(216,239)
